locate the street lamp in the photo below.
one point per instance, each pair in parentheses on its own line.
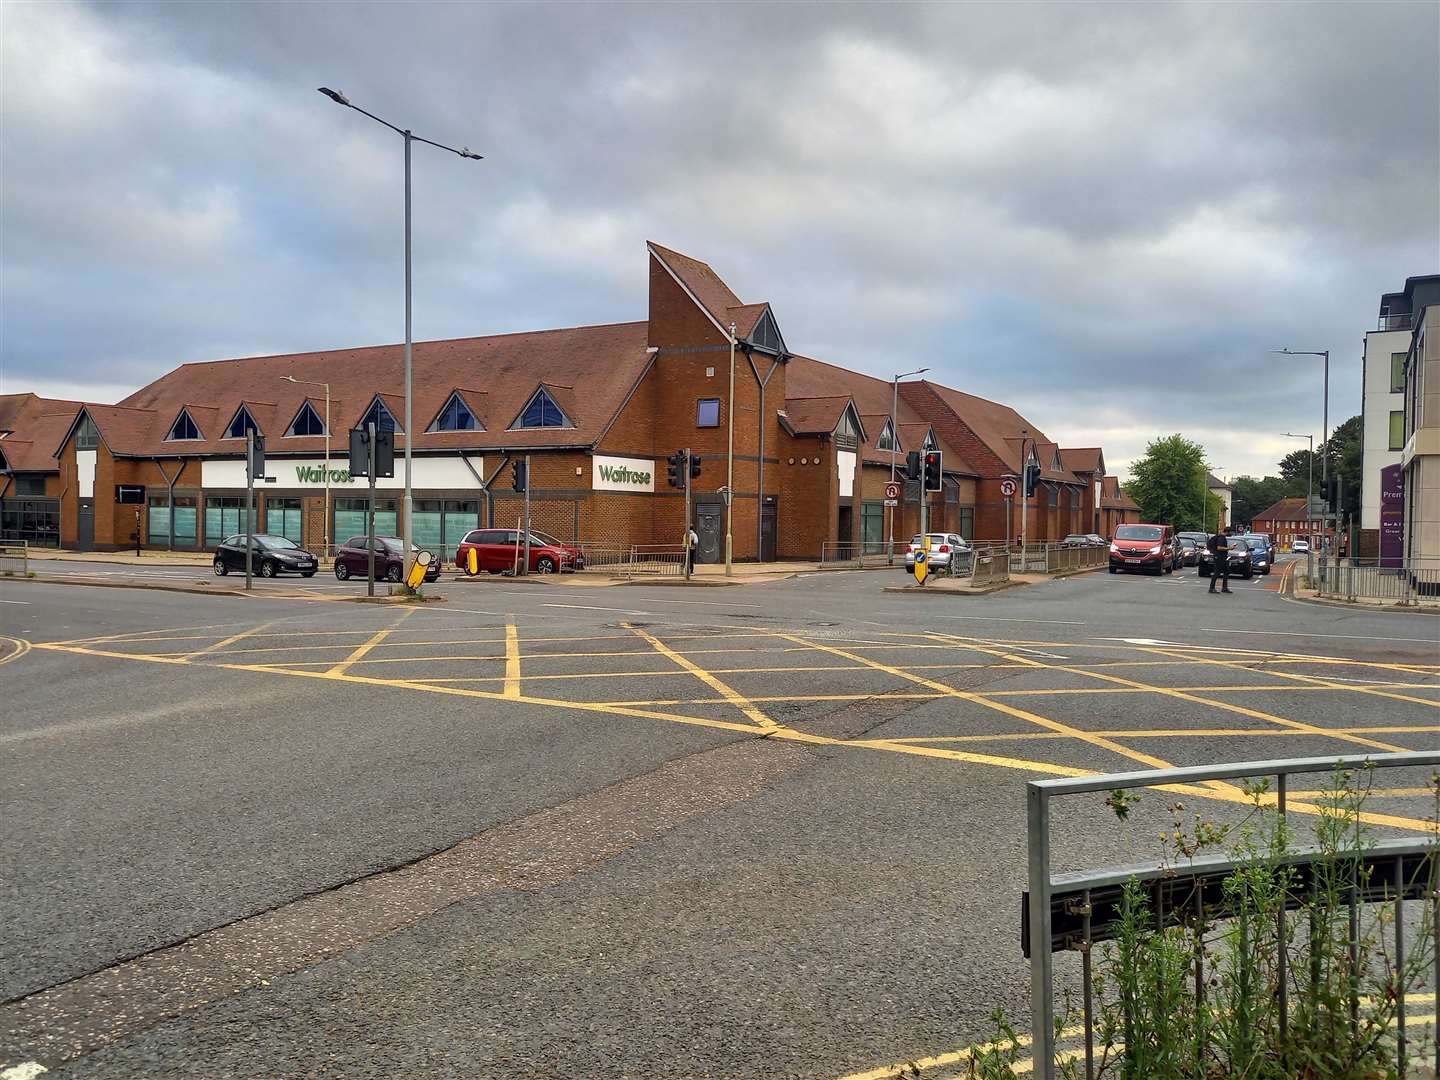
(1324,419)
(464,152)
(1310,479)
(326,385)
(894,444)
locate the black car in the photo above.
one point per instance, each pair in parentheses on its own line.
(270,555)
(1239,556)
(1190,551)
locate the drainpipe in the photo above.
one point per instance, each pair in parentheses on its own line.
(760,480)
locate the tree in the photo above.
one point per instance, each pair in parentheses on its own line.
(1345,456)
(1249,496)
(1295,470)
(1170,483)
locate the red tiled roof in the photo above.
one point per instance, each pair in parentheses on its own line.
(38,424)
(1113,497)
(606,360)
(745,317)
(1284,510)
(714,295)
(814,416)
(1081,460)
(998,426)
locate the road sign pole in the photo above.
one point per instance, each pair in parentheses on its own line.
(370,508)
(526,570)
(689,555)
(249,504)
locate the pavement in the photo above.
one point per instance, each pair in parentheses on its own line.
(765,832)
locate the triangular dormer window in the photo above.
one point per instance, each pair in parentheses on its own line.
(930,443)
(848,427)
(87,435)
(1056,463)
(456,416)
(541,411)
(241,423)
(307,421)
(887,440)
(380,415)
(766,334)
(184,428)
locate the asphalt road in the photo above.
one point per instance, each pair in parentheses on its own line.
(655,832)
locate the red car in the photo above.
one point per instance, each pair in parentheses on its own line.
(498,550)
(352,559)
(1147,548)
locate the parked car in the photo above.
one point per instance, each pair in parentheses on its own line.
(1301,547)
(1260,556)
(1189,551)
(269,556)
(1148,548)
(1239,559)
(352,559)
(1084,540)
(943,548)
(498,551)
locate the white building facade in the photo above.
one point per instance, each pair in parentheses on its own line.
(1383,412)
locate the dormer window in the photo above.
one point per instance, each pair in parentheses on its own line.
(541,412)
(87,437)
(456,416)
(307,422)
(183,428)
(241,423)
(379,415)
(887,440)
(930,443)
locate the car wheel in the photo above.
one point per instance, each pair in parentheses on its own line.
(307,573)
(494,571)
(392,573)
(268,568)
(544,565)
(1170,568)
(1248,574)
(342,572)
(220,568)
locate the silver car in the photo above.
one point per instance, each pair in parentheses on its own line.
(943,548)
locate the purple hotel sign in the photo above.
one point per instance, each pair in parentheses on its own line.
(1392,515)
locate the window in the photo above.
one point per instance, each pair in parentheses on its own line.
(88,435)
(379,415)
(872,527)
(440,525)
(242,423)
(159,519)
(29,485)
(707,412)
(307,422)
(1397,372)
(36,521)
(542,412)
(224,514)
(350,517)
(456,416)
(1397,430)
(128,493)
(929,443)
(282,517)
(887,438)
(183,428)
(967,522)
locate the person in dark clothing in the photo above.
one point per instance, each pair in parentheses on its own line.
(1219,546)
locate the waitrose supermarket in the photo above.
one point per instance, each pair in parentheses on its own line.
(595,409)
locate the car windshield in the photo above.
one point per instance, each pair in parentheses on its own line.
(1185,541)
(1138,532)
(1075,538)
(543,539)
(391,543)
(278,542)
(936,539)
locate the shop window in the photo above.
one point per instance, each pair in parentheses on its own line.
(87,436)
(541,412)
(159,521)
(307,422)
(224,515)
(241,423)
(1397,430)
(36,521)
(183,428)
(282,518)
(707,412)
(872,527)
(129,493)
(380,415)
(440,525)
(456,416)
(350,519)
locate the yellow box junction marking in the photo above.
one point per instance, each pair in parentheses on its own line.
(217,646)
(361,650)
(731,696)
(512,659)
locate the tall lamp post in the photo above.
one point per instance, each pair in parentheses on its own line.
(1324,417)
(464,152)
(729,465)
(326,385)
(1309,479)
(894,446)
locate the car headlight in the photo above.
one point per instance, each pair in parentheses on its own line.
(1155,550)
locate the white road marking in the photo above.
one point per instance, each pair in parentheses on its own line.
(1146,641)
(24,602)
(25,1071)
(699,603)
(1338,637)
(599,607)
(987,618)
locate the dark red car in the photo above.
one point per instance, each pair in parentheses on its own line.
(498,551)
(1146,548)
(352,559)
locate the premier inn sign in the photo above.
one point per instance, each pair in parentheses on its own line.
(622,474)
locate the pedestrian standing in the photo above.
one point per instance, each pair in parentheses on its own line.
(1219,545)
(692,541)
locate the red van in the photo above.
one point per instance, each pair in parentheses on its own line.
(498,550)
(1147,548)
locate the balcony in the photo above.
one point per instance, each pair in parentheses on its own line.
(1401,321)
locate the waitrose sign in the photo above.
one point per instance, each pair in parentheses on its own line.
(622,474)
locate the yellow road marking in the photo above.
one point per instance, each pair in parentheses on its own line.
(1178,733)
(732,696)
(365,647)
(21,648)
(512,661)
(242,635)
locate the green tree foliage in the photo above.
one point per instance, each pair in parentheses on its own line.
(1345,453)
(1250,495)
(1295,471)
(1170,481)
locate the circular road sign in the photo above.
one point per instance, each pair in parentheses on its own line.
(1007,488)
(892,490)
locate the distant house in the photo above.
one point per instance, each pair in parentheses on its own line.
(1116,508)
(1223,492)
(1286,521)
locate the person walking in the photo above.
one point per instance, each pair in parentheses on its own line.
(692,541)
(1219,545)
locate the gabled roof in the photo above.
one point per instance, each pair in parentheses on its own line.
(123,430)
(37,426)
(998,426)
(696,277)
(1284,510)
(1086,460)
(814,416)
(1215,483)
(745,317)
(1113,497)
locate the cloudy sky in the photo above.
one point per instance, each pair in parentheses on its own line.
(1083,210)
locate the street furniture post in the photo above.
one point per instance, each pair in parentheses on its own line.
(525,569)
(249,503)
(370,509)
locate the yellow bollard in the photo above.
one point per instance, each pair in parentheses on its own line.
(472,562)
(423,559)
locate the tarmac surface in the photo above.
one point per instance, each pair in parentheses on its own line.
(767,831)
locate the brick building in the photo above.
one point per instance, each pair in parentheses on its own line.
(596,409)
(1287,521)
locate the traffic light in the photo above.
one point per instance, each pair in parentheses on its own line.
(1331,492)
(675,469)
(256,463)
(933,470)
(1032,478)
(912,465)
(520,478)
(694,466)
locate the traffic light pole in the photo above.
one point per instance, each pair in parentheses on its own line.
(685,476)
(525,571)
(370,508)
(249,504)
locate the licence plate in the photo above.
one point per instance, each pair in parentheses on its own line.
(1133,560)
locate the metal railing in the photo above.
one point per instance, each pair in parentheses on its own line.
(990,566)
(1408,584)
(1072,911)
(15,558)
(1057,558)
(1401,321)
(864,553)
